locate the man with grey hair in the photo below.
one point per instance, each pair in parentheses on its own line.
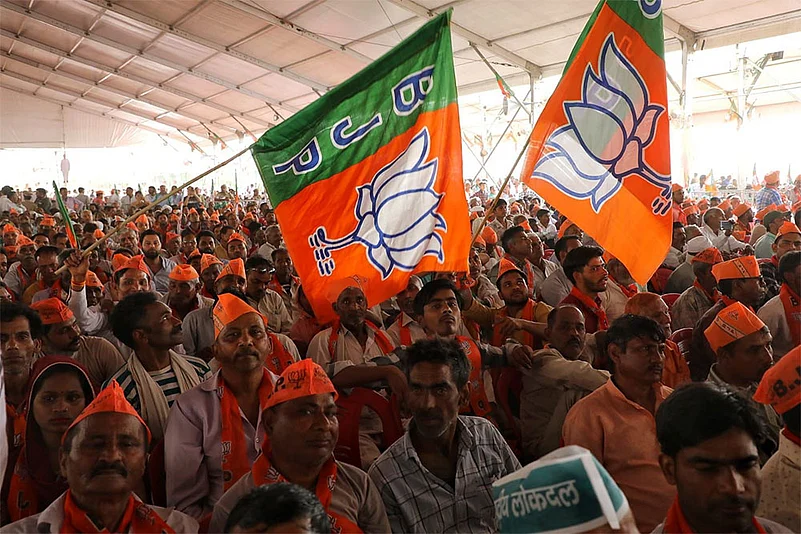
(683,277)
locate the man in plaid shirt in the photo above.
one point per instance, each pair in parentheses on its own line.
(770,193)
(438,477)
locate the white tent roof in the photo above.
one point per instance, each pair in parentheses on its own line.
(186,68)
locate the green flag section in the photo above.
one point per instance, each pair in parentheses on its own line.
(367,180)
(65,216)
(600,150)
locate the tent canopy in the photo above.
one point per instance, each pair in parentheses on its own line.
(196,70)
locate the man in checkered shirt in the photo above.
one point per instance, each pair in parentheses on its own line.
(438,477)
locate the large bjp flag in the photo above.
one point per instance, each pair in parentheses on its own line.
(367,180)
(600,151)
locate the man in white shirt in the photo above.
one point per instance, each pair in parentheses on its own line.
(721,240)
(676,255)
(782,313)
(10,200)
(557,286)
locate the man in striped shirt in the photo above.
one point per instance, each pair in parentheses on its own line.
(155,375)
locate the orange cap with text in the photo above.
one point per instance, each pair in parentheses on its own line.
(301,379)
(207,260)
(711,256)
(184,273)
(109,400)
(742,267)
(230,308)
(234,267)
(780,386)
(134,262)
(52,311)
(732,323)
(787,228)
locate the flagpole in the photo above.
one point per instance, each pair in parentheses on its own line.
(491,207)
(167,195)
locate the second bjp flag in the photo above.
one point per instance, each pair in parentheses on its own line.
(367,180)
(600,151)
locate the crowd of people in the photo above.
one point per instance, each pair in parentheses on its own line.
(175,378)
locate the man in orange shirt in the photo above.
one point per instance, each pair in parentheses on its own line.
(616,421)
(651,305)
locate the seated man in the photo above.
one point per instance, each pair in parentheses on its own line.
(182,292)
(62,337)
(355,352)
(158,266)
(556,285)
(559,377)
(651,305)
(781,475)
(782,313)
(284,282)
(154,375)
(739,280)
(302,431)
(742,344)
(616,422)
(586,269)
(405,330)
(46,264)
(620,288)
(709,442)
(215,430)
(682,277)
(564,477)
(702,295)
(20,342)
(210,268)
(438,476)
(279,507)
(264,299)
(103,456)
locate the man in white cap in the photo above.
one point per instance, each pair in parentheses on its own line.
(683,276)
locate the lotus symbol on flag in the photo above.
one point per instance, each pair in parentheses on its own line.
(396,214)
(606,135)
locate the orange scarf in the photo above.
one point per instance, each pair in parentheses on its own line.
(381,338)
(479,403)
(676,523)
(264,473)
(714,297)
(527,313)
(33,486)
(276,286)
(792,312)
(628,290)
(138,518)
(405,332)
(592,306)
(235,462)
(279,359)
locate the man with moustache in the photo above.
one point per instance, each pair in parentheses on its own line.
(405,330)
(302,431)
(586,269)
(159,266)
(438,476)
(154,375)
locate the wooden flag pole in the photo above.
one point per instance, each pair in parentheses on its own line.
(491,208)
(167,195)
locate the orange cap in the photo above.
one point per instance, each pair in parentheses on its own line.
(725,205)
(10,229)
(52,311)
(236,237)
(787,228)
(732,323)
(143,219)
(230,308)
(184,273)
(117,260)
(739,235)
(109,400)
(175,217)
(525,226)
(711,256)
(132,226)
(98,234)
(235,267)
(92,280)
(47,220)
(742,267)
(782,208)
(703,202)
(563,228)
(215,217)
(780,386)
(689,210)
(334,288)
(134,262)
(741,209)
(194,254)
(764,211)
(193,210)
(480,241)
(301,379)
(171,236)
(11,250)
(207,260)
(24,241)
(772,178)
(489,235)
(676,187)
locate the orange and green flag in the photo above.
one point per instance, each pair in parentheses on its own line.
(600,151)
(367,180)
(65,217)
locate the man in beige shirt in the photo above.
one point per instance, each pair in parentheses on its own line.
(560,376)
(264,299)
(302,430)
(62,337)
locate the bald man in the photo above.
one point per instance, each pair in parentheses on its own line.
(712,229)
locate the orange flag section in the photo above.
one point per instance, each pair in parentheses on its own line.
(629,215)
(332,205)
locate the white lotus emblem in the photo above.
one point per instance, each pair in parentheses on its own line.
(396,213)
(606,135)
